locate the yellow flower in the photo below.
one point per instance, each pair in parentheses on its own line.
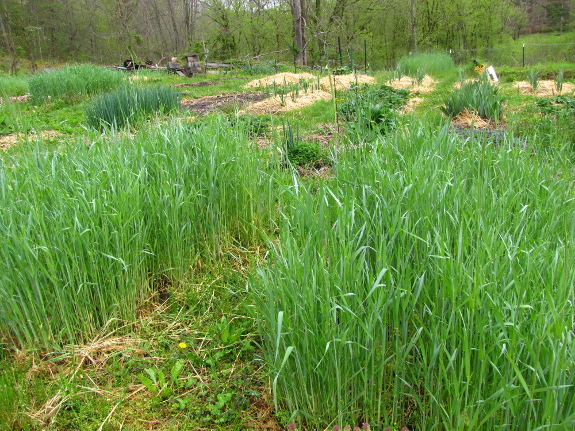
(182,345)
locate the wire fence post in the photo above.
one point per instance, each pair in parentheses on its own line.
(351,57)
(523,55)
(339,47)
(365,56)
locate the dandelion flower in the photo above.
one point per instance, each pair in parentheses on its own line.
(182,345)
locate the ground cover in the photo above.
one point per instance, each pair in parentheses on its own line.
(343,263)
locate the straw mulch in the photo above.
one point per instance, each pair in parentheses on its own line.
(546,88)
(16,98)
(280,79)
(273,104)
(411,104)
(407,83)
(343,82)
(18,138)
(470,120)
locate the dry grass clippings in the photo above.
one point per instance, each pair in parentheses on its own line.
(407,83)
(470,120)
(275,104)
(546,88)
(19,138)
(280,79)
(343,82)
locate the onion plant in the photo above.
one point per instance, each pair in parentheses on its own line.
(431,288)
(130,104)
(479,96)
(533,78)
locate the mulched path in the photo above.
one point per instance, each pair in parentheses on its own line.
(209,104)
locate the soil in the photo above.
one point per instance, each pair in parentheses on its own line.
(496,136)
(546,88)
(209,104)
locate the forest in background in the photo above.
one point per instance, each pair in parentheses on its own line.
(306,31)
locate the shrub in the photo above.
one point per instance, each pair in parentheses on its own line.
(73,82)
(478,96)
(430,63)
(128,103)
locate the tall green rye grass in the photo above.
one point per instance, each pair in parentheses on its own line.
(87,232)
(431,288)
(73,82)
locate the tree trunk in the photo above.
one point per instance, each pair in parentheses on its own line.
(174,25)
(7,40)
(413,24)
(298,25)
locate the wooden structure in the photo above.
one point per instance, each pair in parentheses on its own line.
(193,65)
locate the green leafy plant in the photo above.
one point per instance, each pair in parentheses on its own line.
(370,111)
(301,153)
(253,125)
(130,104)
(479,96)
(164,388)
(342,70)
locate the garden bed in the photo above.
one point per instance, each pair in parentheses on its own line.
(209,104)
